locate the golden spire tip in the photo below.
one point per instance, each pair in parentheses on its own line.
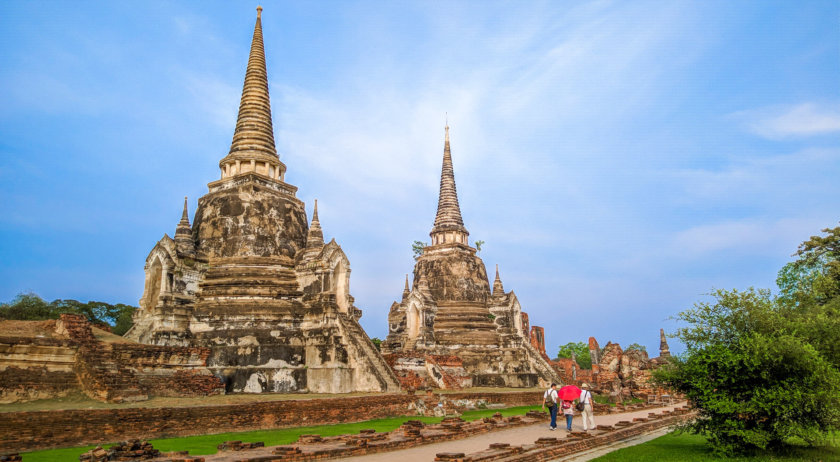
(259,11)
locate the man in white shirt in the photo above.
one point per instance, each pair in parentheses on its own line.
(588,408)
(550,400)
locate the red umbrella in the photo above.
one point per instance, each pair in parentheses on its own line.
(569,392)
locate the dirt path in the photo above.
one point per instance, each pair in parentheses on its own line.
(514,436)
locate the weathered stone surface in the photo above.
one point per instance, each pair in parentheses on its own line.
(70,358)
(664,351)
(453,276)
(249,219)
(36,362)
(254,283)
(615,372)
(450,312)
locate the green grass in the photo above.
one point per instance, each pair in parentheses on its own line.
(693,448)
(601,399)
(206,444)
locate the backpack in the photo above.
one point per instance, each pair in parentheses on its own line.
(547,401)
(581,405)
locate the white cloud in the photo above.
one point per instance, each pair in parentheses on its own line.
(746,236)
(777,182)
(382,139)
(800,120)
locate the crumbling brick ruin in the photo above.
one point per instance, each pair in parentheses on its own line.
(50,359)
(617,373)
(449,330)
(252,281)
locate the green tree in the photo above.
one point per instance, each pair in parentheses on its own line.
(581,352)
(418,247)
(29,306)
(809,289)
(761,368)
(636,346)
(124,320)
(815,274)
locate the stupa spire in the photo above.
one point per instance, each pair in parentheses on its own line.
(253,148)
(664,351)
(183,228)
(183,232)
(185,216)
(498,289)
(406,291)
(449,226)
(315,237)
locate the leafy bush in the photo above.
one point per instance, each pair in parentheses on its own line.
(418,247)
(762,369)
(377,342)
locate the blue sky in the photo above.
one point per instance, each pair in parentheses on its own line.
(620,159)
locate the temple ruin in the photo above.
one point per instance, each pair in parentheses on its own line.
(449,330)
(616,373)
(68,356)
(253,281)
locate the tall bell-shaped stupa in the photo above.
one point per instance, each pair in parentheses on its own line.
(253,281)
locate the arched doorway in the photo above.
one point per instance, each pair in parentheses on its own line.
(413,321)
(340,278)
(153,282)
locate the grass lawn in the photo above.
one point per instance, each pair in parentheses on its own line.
(693,448)
(206,444)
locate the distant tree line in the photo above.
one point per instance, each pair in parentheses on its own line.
(763,370)
(31,307)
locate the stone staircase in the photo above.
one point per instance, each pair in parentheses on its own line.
(249,277)
(100,377)
(465,324)
(356,336)
(541,363)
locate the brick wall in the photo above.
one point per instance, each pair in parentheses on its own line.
(36,368)
(40,368)
(26,431)
(26,384)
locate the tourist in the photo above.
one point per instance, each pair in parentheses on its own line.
(588,411)
(550,400)
(569,412)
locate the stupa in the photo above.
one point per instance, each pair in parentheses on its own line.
(449,330)
(252,280)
